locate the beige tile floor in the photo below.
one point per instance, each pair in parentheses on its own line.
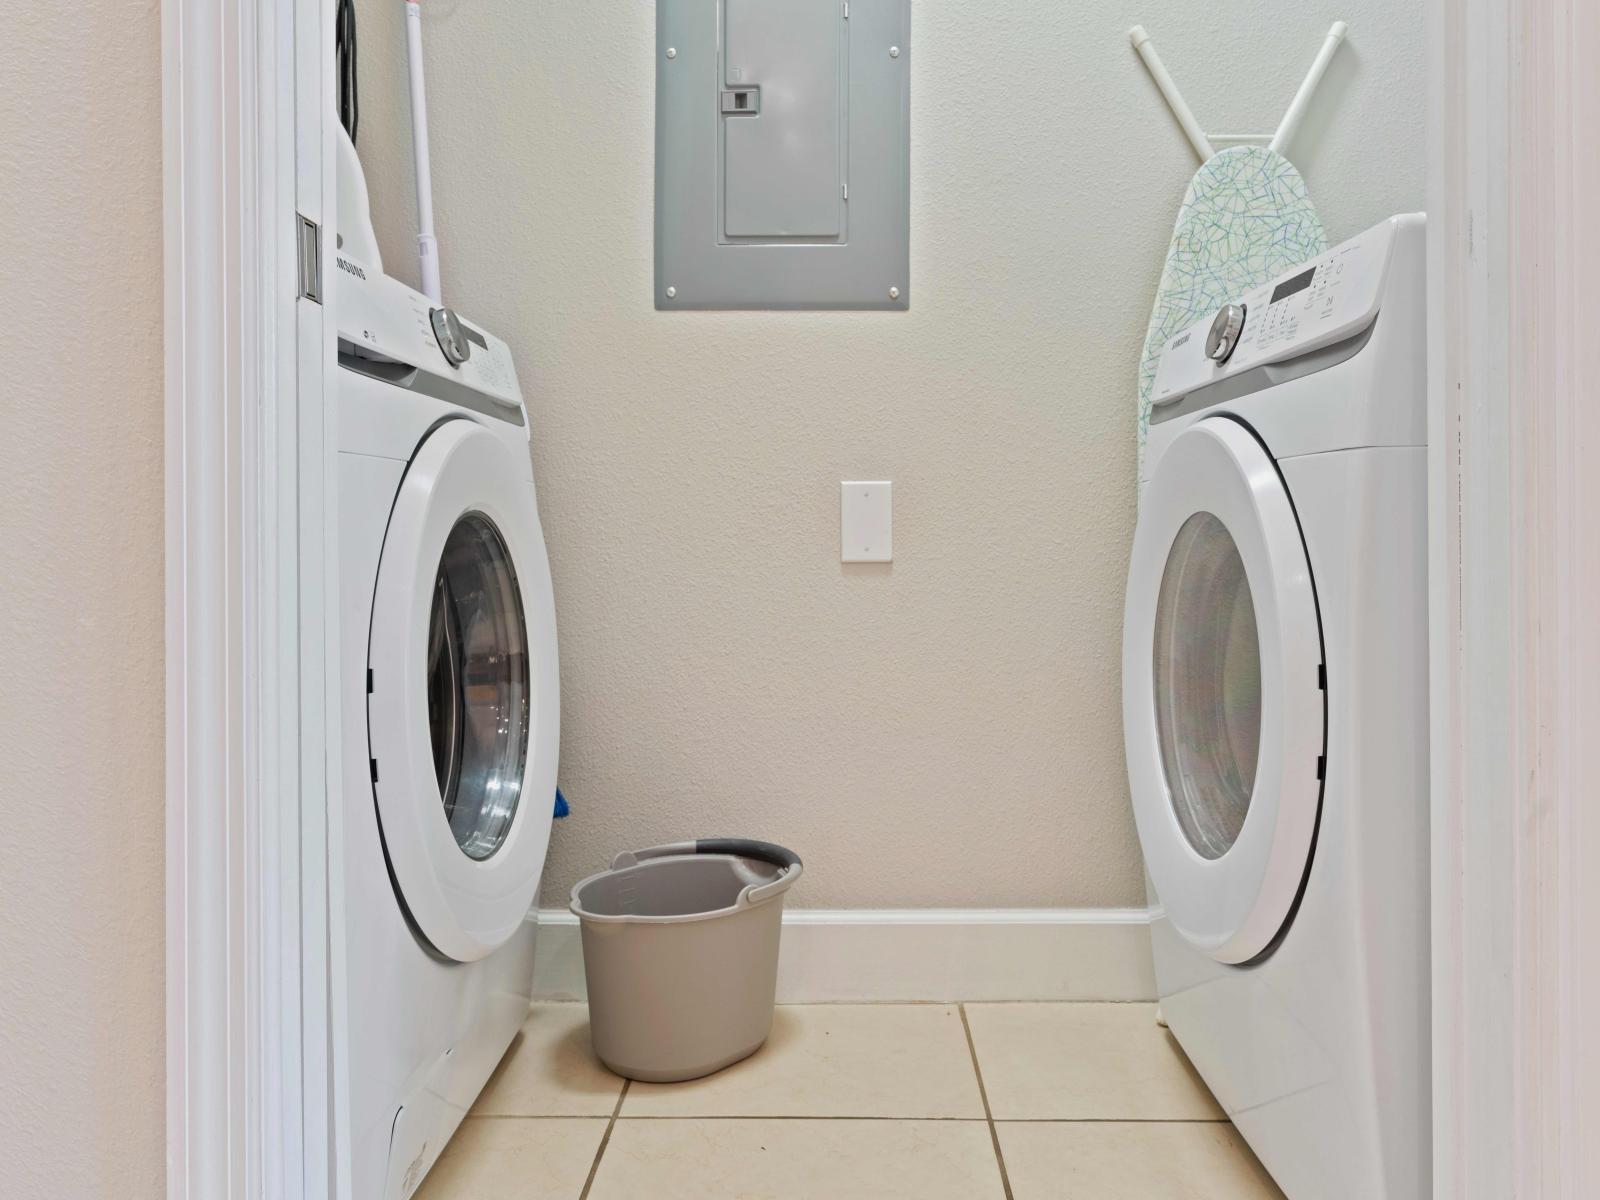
(880,1102)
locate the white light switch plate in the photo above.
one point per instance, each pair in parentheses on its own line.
(866,520)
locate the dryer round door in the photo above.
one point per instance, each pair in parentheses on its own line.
(464,705)
(1222,691)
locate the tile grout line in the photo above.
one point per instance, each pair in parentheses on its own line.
(1117,1121)
(605,1140)
(696,1116)
(983,1094)
(709,1116)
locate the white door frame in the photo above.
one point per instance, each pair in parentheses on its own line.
(1515,563)
(246,147)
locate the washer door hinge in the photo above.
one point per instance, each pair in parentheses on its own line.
(308,245)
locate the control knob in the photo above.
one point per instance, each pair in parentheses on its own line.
(452,338)
(1225,330)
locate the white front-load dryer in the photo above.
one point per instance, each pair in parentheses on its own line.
(450,725)
(1276,714)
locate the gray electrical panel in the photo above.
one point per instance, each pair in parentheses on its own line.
(783,154)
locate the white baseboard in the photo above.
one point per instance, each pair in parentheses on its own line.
(940,954)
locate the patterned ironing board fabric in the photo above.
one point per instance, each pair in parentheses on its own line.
(1246,218)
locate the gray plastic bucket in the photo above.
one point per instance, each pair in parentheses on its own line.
(680,951)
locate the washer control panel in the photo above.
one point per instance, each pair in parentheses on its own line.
(1324,301)
(383,320)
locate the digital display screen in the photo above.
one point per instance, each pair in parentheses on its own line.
(1290,286)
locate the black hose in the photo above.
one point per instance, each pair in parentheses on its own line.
(344,43)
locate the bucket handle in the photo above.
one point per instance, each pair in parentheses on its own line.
(784,859)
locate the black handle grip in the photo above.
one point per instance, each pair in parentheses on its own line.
(767,852)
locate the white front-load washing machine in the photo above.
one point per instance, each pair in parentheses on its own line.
(1275,711)
(450,717)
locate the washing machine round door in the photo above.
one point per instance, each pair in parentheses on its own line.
(1222,684)
(464,705)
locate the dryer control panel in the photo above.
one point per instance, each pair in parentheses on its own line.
(1318,304)
(383,321)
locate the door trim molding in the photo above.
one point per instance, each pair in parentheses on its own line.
(1515,565)
(244,84)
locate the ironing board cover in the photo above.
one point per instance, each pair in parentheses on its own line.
(1245,219)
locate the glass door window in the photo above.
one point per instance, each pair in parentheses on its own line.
(477,676)
(1207,664)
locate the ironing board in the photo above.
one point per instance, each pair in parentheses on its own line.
(1246,218)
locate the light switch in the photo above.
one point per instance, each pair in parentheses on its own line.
(866,521)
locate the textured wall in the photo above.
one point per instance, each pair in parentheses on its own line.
(945,731)
(82,1057)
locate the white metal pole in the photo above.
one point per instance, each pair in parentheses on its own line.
(1302,98)
(1158,72)
(427,244)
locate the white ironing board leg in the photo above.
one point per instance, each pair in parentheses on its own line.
(1302,98)
(1158,71)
